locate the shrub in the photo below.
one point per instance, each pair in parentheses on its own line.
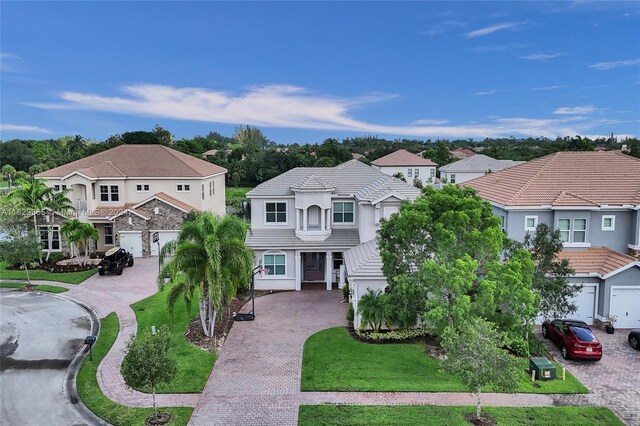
(536,347)
(519,347)
(374,309)
(345,292)
(350,315)
(391,336)
(55,258)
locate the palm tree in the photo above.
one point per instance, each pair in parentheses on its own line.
(69,230)
(209,258)
(373,308)
(9,171)
(87,232)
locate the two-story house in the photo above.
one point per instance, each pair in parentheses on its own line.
(593,199)
(308,222)
(131,192)
(411,166)
(473,166)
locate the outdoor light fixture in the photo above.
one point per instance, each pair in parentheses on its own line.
(250,316)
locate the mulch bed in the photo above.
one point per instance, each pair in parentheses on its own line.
(160,419)
(483,420)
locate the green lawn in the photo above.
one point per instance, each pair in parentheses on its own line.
(47,288)
(316,415)
(39,274)
(194,364)
(334,361)
(237,191)
(103,407)
(3,183)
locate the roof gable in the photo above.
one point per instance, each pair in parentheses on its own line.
(478,163)
(402,157)
(600,261)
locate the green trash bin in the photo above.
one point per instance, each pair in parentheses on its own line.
(545,370)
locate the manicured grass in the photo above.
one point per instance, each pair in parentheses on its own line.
(39,274)
(103,407)
(47,288)
(194,364)
(315,415)
(334,361)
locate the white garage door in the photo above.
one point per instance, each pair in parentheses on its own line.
(132,242)
(625,304)
(586,303)
(164,237)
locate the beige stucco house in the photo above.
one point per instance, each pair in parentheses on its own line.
(411,166)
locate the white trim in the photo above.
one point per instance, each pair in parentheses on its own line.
(286,212)
(387,196)
(51,228)
(142,185)
(535,224)
(623,287)
(622,269)
(613,222)
(75,172)
(130,211)
(130,232)
(264,275)
(155,197)
(633,247)
(576,245)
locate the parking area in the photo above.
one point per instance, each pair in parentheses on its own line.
(39,337)
(614,381)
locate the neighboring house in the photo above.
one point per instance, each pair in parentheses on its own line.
(131,191)
(593,198)
(409,165)
(461,153)
(307,221)
(472,167)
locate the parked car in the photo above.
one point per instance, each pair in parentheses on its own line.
(634,339)
(574,338)
(115,260)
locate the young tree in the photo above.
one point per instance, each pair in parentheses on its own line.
(8,171)
(21,248)
(149,363)
(70,231)
(373,309)
(550,274)
(474,354)
(209,258)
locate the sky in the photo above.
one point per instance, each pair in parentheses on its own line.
(307,71)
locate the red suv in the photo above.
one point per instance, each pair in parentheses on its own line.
(574,338)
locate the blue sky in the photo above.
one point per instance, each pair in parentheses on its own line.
(307,71)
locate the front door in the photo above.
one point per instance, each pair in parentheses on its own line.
(313,266)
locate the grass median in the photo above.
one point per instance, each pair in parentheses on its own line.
(47,288)
(42,275)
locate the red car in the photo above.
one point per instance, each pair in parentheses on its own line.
(574,338)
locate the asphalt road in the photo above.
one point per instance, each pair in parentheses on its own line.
(39,336)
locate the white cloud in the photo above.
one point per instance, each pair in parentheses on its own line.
(579,110)
(615,64)
(286,106)
(491,29)
(10,62)
(14,128)
(540,56)
(442,27)
(543,88)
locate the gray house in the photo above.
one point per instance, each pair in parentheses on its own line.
(593,198)
(472,167)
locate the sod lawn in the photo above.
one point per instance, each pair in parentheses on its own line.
(334,361)
(39,274)
(316,415)
(194,364)
(103,407)
(47,288)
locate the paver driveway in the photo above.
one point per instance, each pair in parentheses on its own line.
(614,381)
(256,379)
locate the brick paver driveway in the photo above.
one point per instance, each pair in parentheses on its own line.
(256,379)
(613,381)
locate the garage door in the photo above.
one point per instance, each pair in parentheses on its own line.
(132,242)
(586,303)
(164,237)
(625,304)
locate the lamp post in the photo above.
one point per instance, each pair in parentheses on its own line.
(250,316)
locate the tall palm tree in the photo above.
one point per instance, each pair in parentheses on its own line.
(209,258)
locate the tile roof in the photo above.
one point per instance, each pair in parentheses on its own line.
(402,157)
(287,239)
(169,199)
(352,178)
(364,260)
(137,161)
(461,152)
(478,163)
(565,179)
(312,183)
(598,260)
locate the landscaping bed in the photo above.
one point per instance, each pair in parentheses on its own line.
(71,274)
(103,407)
(334,361)
(341,415)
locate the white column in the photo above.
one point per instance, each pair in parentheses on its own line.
(377,214)
(297,219)
(304,219)
(343,278)
(298,262)
(328,212)
(329,272)
(323,217)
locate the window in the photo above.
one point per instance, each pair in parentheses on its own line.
(64,187)
(56,187)
(109,193)
(417,173)
(409,171)
(210,188)
(276,212)
(275,264)
(343,212)
(203,191)
(142,187)
(453,178)
(530,223)
(108,235)
(50,237)
(183,188)
(608,223)
(573,230)
(432,173)
(503,222)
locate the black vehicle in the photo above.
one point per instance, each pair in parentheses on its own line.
(115,260)
(634,339)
